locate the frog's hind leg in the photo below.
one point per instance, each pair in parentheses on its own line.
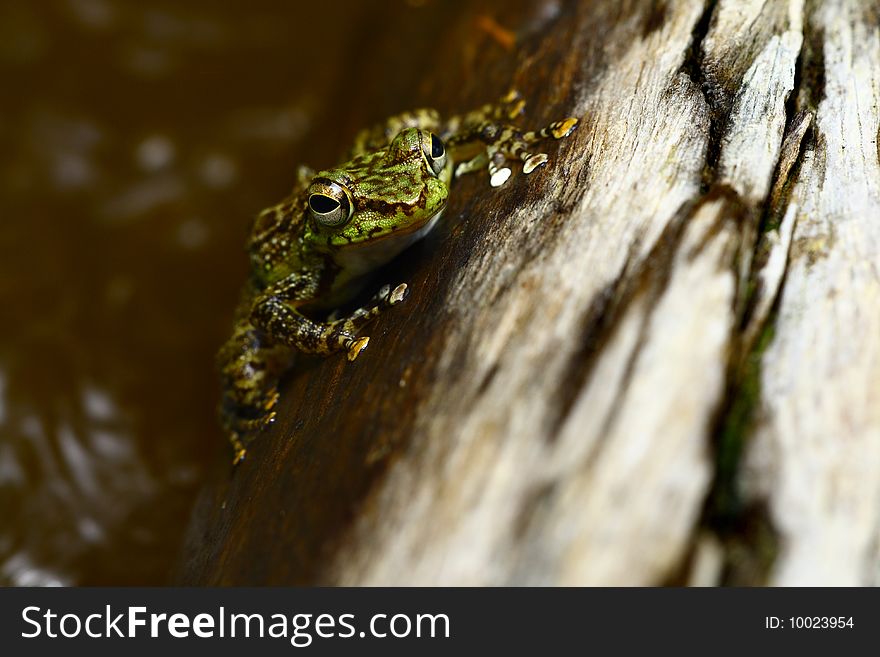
(250,367)
(380,135)
(507,108)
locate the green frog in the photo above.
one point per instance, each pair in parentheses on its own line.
(315,250)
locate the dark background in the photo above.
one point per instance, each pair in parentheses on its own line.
(138,139)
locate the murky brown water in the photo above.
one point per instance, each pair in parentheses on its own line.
(138,139)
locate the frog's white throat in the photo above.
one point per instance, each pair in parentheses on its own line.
(358,261)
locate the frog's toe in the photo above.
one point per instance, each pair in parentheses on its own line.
(239,450)
(398,294)
(357,347)
(271,400)
(560,129)
(512,104)
(532,162)
(499,176)
(516,108)
(510,97)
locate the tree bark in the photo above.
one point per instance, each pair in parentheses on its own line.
(656,361)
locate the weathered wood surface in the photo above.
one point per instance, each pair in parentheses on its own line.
(655,361)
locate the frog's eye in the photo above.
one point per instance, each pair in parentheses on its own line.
(435,152)
(330,206)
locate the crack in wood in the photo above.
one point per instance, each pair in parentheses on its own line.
(694,69)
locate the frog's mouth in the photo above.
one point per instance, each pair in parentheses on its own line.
(416,229)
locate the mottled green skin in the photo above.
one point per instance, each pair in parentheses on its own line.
(394,193)
(396,190)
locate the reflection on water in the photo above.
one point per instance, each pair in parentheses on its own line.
(76,475)
(138,139)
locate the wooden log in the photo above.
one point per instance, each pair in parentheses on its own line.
(815,458)
(587,352)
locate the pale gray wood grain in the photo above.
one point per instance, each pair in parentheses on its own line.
(494,489)
(816,454)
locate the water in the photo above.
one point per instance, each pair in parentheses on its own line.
(138,139)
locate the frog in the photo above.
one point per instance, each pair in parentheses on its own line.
(316,249)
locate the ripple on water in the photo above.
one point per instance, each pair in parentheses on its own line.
(69,480)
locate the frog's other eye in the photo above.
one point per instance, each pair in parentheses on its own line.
(330,206)
(435,152)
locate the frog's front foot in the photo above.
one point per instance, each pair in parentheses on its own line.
(385,298)
(507,143)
